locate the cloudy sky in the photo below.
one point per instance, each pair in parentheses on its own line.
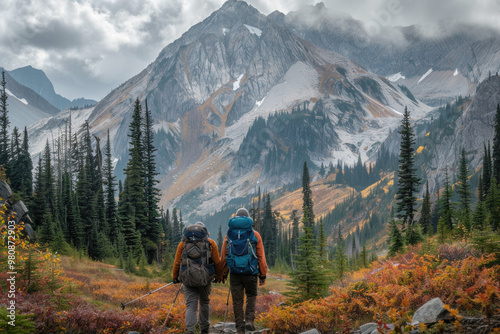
(89,47)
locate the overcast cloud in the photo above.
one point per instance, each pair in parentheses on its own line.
(89,47)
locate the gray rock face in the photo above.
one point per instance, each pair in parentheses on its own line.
(471,131)
(461,56)
(430,312)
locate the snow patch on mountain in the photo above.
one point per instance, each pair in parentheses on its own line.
(236,84)
(299,83)
(254,30)
(456,72)
(395,77)
(425,75)
(52,128)
(19,99)
(166,126)
(258,103)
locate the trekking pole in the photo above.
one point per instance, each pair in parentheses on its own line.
(123,305)
(168,315)
(227,306)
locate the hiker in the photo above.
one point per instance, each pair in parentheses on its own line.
(243,255)
(195,251)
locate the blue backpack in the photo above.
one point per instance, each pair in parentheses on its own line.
(241,249)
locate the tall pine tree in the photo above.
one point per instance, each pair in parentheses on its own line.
(446,206)
(110,202)
(425,214)
(307,196)
(407,178)
(309,280)
(464,193)
(151,192)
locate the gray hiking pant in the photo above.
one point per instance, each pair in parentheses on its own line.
(242,285)
(197,296)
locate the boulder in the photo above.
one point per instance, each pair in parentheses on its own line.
(5,191)
(20,209)
(368,328)
(429,313)
(311,331)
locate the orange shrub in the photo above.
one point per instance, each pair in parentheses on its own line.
(396,287)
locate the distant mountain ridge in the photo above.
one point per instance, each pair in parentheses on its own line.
(452,61)
(38,81)
(25,106)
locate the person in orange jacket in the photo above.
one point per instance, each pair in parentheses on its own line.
(243,278)
(196,293)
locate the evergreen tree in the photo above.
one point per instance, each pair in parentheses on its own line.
(110,203)
(425,217)
(127,220)
(496,146)
(407,178)
(480,190)
(479,217)
(25,169)
(268,235)
(464,193)
(307,196)
(168,227)
(396,240)
(133,210)
(308,280)
(99,205)
(48,231)
(12,168)
(442,229)
(322,171)
(486,170)
(39,199)
(413,235)
(364,257)
(67,215)
(152,193)
(295,232)
(322,241)
(4,123)
(493,205)
(340,256)
(48,181)
(446,213)
(176,229)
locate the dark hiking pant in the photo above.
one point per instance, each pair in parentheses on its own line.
(197,296)
(242,285)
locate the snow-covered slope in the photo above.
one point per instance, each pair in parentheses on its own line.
(50,128)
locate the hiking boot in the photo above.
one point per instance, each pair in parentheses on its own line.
(250,327)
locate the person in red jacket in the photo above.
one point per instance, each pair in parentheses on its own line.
(243,281)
